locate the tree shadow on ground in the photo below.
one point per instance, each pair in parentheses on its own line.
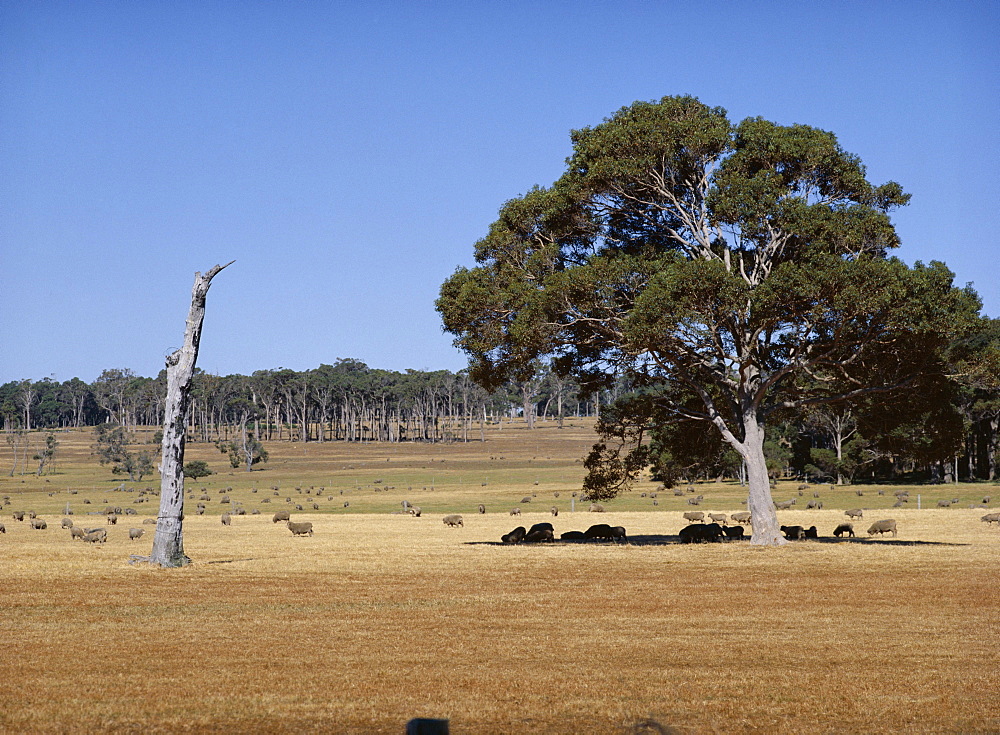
(670,540)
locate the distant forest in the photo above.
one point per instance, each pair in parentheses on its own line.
(350,401)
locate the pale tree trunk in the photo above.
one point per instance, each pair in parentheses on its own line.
(168,544)
(763,517)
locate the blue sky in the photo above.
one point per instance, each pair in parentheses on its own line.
(349,155)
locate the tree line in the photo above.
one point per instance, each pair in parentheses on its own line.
(345,401)
(957,431)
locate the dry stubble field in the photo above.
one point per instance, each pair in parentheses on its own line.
(379,618)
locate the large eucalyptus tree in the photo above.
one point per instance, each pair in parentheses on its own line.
(744,265)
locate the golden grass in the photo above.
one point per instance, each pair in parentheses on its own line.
(379,618)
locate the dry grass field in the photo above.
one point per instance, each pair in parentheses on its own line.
(380,617)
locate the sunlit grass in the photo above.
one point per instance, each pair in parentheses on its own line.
(379,618)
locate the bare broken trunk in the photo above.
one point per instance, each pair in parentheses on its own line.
(168,544)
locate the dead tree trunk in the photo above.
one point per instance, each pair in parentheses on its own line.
(168,544)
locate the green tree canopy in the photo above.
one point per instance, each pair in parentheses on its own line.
(743,264)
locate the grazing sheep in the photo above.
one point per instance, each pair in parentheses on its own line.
(453,520)
(95,536)
(844,528)
(734,532)
(596,508)
(540,527)
(482,508)
(815,505)
(883,527)
(785,504)
(149,521)
(67,523)
(990,518)
(695,501)
(720,518)
(698,533)
(694,515)
(414,511)
(515,511)
(3,529)
(112,520)
(605,531)
(135,533)
(944,504)
(300,529)
(742,516)
(38,524)
(573,536)
(32,514)
(538,536)
(554,510)
(76,532)
(226,519)
(793,533)
(526,499)
(281,515)
(515,536)
(986,499)
(854,513)
(18,515)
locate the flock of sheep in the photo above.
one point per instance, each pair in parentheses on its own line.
(701,526)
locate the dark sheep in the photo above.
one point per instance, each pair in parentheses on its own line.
(854,513)
(573,536)
(3,529)
(605,531)
(844,528)
(515,536)
(811,532)
(734,532)
(793,533)
(453,520)
(544,526)
(300,529)
(883,527)
(698,533)
(538,536)
(135,533)
(281,515)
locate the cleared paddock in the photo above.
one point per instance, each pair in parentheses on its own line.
(379,618)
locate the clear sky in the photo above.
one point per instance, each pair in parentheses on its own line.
(348,155)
